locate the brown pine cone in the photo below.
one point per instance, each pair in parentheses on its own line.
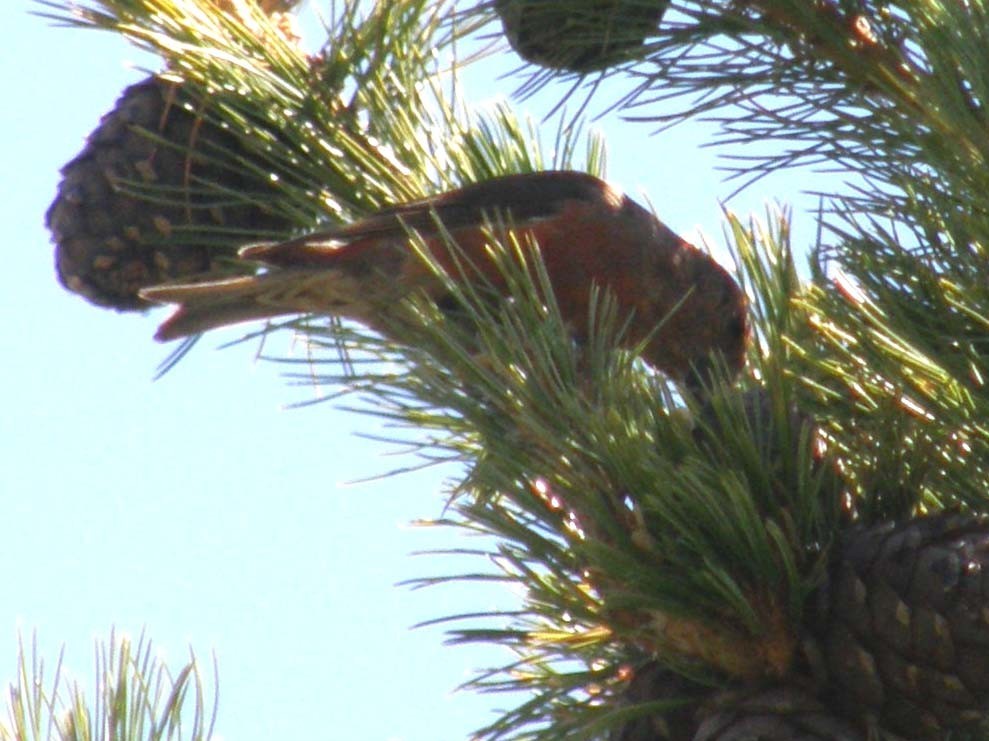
(695,712)
(903,623)
(680,697)
(783,713)
(585,36)
(155,195)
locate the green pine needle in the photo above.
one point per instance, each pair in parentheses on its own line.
(617,526)
(136,699)
(634,522)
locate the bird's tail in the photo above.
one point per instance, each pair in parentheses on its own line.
(206,306)
(301,276)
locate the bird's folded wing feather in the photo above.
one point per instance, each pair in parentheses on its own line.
(522,199)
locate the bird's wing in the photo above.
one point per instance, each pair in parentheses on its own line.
(524,198)
(354,270)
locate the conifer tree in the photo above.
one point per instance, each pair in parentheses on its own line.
(796,553)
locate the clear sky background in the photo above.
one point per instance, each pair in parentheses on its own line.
(202,509)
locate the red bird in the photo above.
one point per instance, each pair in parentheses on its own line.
(587,231)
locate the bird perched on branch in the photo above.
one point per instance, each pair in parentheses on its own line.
(588,232)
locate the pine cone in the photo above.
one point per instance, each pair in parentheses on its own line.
(111,240)
(584,36)
(679,696)
(775,714)
(903,623)
(695,712)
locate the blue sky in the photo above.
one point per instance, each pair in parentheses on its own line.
(202,509)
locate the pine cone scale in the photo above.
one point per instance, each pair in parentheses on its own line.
(154,196)
(919,661)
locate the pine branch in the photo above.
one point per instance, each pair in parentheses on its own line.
(871,87)
(894,94)
(626,534)
(319,138)
(325,127)
(635,523)
(137,699)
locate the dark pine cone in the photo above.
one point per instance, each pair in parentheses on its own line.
(904,624)
(580,36)
(154,195)
(678,697)
(783,713)
(687,711)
